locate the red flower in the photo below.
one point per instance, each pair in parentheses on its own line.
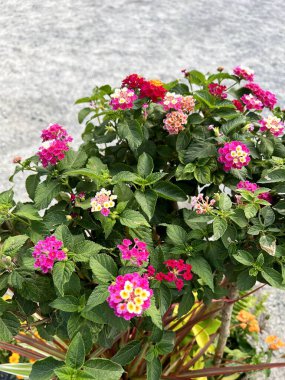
(133,81)
(238,105)
(153,90)
(217,90)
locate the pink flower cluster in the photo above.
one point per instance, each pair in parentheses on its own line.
(246,185)
(202,205)
(55,132)
(267,98)
(123,98)
(251,102)
(178,102)
(244,73)
(178,271)
(234,155)
(130,295)
(174,122)
(218,90)
(55,143)
(272,124)
(138,254)
(46,252)
(103,201)
(75,197)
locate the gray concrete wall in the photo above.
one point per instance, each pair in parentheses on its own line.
(53,52)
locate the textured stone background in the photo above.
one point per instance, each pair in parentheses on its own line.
(55,51)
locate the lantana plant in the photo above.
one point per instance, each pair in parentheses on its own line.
(172,205)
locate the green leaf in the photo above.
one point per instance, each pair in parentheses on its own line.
(273,277)
(61,274)
(244,257)
(202,268)
(103,267)
(163,297)
(31,184)
(166,344)
(219,226)
(194,118)
(250,211)
(98,296)
(9,326)
(85,172)
(198,149)
(169,191)
(186,303)
(73,160)
(22,369)
(68,373)
(176,234)
(245,281)
(239,218)
(153,178)
(154,314)
(127,353)
(196,77)
(205,97)
(67,303)
(147,201)
(202,174)
(225,202)
(133,219)
(277,175)
(154,369)
(75,356)
(101,368)
(131,131)
(45,193)
(62,233)
(86,249)
(28,211)
(12,245)
(231,125)
(268,216)
(268,244)
(145,165)
(82,114)
(125,176)
(44,369)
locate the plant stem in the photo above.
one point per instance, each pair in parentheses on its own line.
(225,326)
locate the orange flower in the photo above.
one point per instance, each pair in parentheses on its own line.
(19,377)
(248,320)
(14,358)
(156,82)
(274,343)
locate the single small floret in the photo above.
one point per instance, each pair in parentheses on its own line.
(272,124)
(103,201)
(244,73)
(123,98)
(130,295)
(47,252)
(137,254)
(174,122)
(234,155)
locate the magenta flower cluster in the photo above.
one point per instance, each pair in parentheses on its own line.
(250,186)
(272,124)
(137,254)
(267,98)
(234,155)
(55,144)
(244,73)
(130,295)
(123,98)
(47,252)
(251,102)
(218,90)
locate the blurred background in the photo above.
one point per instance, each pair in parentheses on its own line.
(54,52)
